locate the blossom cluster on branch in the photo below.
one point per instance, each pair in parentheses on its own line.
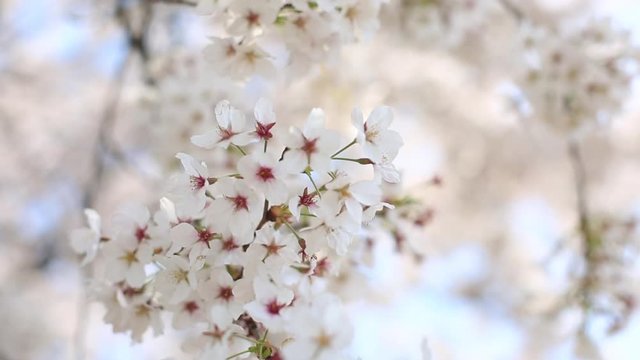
(576,78)
(310,31)
(243,259)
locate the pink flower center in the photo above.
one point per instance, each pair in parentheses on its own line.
(265,173)
(273,307)
(322,267)
(309,146)
(239,203)
(225,134)
(264,131)
(252,18)
(205,236)
(215,333)
(225,293)
(272,248)
(229,244)
(191,307)
(141,233)
(197,182)
(306,199)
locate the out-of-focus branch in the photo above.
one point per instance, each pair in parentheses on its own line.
(137,38)
(101,149)
(175,2)
(588,237)
(512,9)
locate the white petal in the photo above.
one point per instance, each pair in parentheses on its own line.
(207,140)
(135,275)
(263,112)
(223,113)
(380,118)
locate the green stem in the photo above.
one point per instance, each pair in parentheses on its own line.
(293,231)
(344,148)
(239,149)
(313,182)
(238,354)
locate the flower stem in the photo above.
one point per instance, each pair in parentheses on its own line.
(344,148)
(293,230)
(313,182)
(239,149)
(346,159)
(238,354)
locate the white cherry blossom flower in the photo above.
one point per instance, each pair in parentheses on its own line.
(132,220)
(336,227)
(229,249)
(273,247)
(189,189)
(270,303)
(126,259)
(252,16)
(265,120)
(380,144)
(321,331)
(355,195)
(237,207)
(198,242)
(219,290)
(188,312)
(176,279)
(312,146)
(264,173)
(239,60)
(231,129)
(86,240)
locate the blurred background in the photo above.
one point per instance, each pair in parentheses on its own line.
(97,96)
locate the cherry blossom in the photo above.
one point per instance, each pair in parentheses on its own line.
(266,174)
(379,144)
(312,146)
(231,129)
(243,253)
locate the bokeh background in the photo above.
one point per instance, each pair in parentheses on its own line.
(87,120)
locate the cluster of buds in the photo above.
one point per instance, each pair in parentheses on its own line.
(574,78)
(242,259)
(309,31)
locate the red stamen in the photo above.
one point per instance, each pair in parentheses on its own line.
(264,131)
(225,293)
(191,307)
(309,146)
(239,203)
(265,173)
(274,308)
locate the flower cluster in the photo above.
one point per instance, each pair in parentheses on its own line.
(309,31)
(445,24)
(242,259)
(574,78)
(607,271)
